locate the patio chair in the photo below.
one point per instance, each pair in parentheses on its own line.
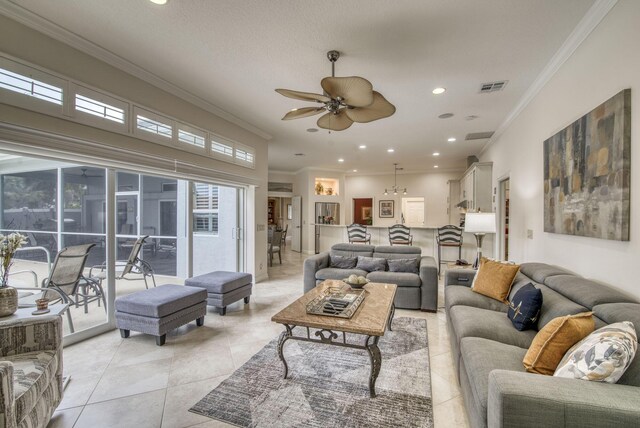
(357,234)
(275,247)
(66,278)
(399,234)
(134,265)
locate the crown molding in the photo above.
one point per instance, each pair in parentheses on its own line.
(275,171)
(587,24)
(43,25)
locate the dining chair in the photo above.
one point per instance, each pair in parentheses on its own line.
(275,247)
(399,234)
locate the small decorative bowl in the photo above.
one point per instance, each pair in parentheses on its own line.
(354,285)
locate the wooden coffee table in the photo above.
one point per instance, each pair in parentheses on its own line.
(371,320)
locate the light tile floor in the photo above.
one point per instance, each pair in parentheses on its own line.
(134,383)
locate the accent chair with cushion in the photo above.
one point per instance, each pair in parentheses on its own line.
(416,276)
(489,353)
(30,371)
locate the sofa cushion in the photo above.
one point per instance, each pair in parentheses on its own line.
(352,250)
(617,312)
(554,340)
(397,252)
(475,322)
(585,292)
(555,305)
(603,356)
(524,308)
(372,264)
(455,295)
(541,271)
(32,374)
(342,262)
(520,281)
(335,273)
(401,279)
(403,265)
(482,356)
(494,279)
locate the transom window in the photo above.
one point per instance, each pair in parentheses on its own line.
(98,108)
(154,126)
(28,86)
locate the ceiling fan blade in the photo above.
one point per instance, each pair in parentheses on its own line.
(335,122)
(304,96)
(298,113)
(354,90)
(379,109)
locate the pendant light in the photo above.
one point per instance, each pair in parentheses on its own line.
(395,189)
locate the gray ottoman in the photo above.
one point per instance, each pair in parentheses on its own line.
(223,288)
(159,310)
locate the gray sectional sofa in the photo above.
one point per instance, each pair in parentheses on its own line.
(415,291)
(488,353)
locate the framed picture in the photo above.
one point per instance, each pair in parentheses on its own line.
(386,209)
(366,213)
(289,212)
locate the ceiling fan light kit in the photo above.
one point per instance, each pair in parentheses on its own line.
(346,100)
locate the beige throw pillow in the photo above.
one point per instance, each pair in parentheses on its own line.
(554,340)
(494,279)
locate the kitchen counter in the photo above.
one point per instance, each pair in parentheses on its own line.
(423,237)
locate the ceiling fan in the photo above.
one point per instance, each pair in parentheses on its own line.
(345,99)
(84,174)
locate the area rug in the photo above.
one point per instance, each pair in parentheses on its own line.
(328,386)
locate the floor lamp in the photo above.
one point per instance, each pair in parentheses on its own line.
(479,224)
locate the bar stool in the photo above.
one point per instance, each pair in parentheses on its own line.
(399,234)
(357,233)
(449,236)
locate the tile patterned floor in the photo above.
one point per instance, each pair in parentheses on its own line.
(134,383)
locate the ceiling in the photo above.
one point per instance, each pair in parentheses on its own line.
(233,54)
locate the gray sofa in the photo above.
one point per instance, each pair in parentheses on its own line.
(488,353)
(414,291)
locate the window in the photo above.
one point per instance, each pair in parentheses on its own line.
(100,109)
(153,126)
(218,148)
(205,211)
(244,156)
(192,136)
(28,86)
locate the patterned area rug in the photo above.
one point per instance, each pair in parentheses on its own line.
(328,386)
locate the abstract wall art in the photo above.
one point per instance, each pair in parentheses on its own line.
(587,170)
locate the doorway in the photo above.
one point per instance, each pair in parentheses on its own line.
(412,211)
(363,211)
(503,231)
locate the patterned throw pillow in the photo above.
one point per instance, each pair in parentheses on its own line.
(403,265)
(372,264)
(525,307)
(343,262)
(603,356)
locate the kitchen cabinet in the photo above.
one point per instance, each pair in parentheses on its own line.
(475,187)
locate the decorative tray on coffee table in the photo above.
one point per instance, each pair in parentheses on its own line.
(341,302)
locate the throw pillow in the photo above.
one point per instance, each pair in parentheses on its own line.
(603,356)
(371,264)
(494,279)
(554,340)
(343,262)
(525,307)
(403,265)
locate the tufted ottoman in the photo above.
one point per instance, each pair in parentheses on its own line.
(223,288)
(159,310)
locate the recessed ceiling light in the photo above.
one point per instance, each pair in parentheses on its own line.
(158,1)
(451,140)
(362,146)
(436,154)
(298,154)
(312,130)
(471,117)
(445,115)
(340,160)
(438,91)
(390,150)
(355,170)
(435,166)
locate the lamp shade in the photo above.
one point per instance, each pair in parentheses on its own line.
(480,223)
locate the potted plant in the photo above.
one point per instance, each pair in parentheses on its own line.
(8,295)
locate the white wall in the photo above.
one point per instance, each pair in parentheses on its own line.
(432,187)
(604,64)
